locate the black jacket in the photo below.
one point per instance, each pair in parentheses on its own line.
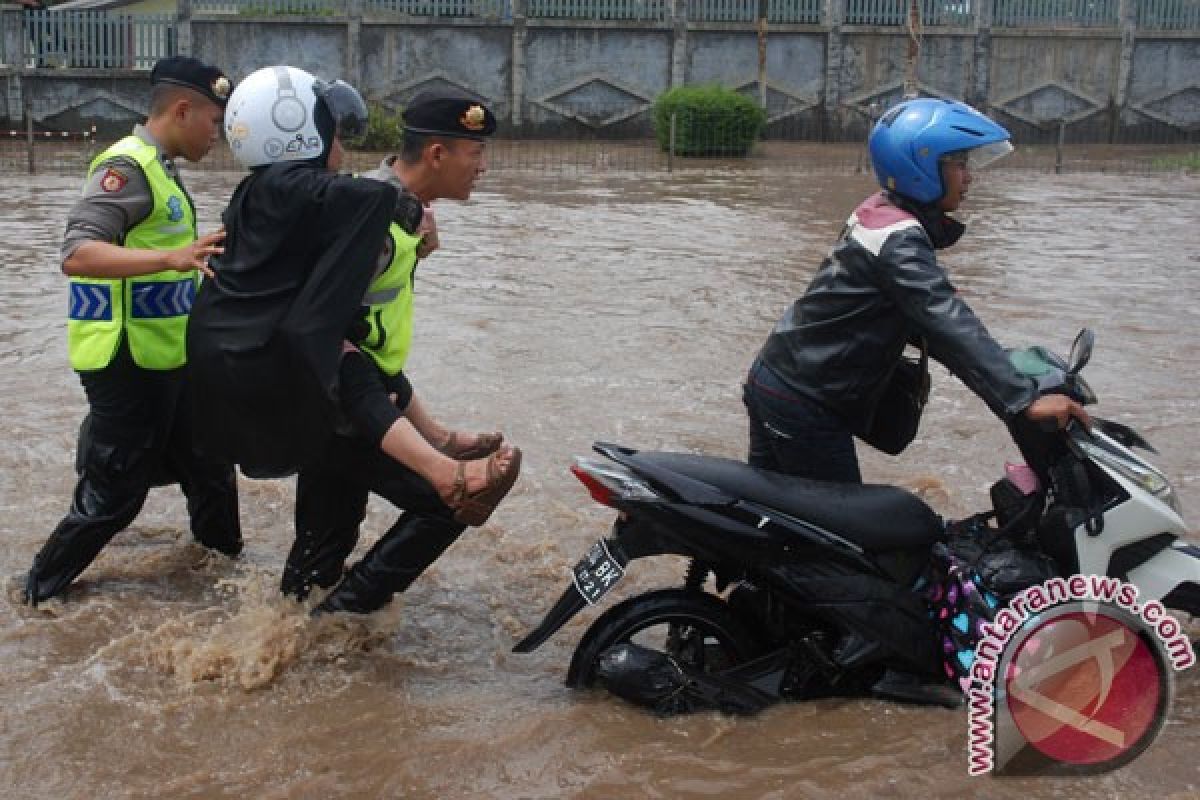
(879,289)
(265,337)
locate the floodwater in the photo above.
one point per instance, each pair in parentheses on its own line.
(615,306)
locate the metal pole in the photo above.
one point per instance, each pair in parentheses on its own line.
(1058,151)
(762,54)
(28,128)
(865,151)
(671,145)
(914,50)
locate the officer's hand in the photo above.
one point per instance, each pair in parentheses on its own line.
(195,255)
(1059,409)
(427,230)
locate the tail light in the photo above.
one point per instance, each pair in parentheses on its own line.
(611,483)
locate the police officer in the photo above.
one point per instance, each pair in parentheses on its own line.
(443,155)
(132,253)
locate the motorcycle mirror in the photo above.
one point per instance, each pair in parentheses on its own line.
(1081,351)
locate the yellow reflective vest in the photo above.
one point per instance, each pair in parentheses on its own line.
(389,302)
(150,310)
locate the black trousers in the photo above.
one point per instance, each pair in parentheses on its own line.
(331,502)
(137,435)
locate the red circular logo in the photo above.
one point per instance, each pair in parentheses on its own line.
(1086,689)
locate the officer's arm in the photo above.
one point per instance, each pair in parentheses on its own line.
(115,199)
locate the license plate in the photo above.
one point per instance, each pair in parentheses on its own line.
(596,573)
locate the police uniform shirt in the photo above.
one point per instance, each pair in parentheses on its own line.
(115,198)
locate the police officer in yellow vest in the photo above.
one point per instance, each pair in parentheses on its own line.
(442,157)
(132,254)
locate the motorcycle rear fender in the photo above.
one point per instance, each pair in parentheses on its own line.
(652,529)
(568,605)
(570,602)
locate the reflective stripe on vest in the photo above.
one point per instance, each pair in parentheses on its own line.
(168,299)
(381,297)
(149,310)
(90,302)
(390,304)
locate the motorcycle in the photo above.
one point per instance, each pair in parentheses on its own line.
(817,587)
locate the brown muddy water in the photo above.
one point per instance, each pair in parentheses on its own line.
(613,306)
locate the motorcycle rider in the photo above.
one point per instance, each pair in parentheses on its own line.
(818,380)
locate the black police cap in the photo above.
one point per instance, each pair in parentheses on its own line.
(449,114)
(194,74)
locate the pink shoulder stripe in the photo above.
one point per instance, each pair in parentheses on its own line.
(876,212)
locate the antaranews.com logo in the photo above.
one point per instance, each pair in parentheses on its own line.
(1073,677)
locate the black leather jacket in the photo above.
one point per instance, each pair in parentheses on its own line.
(880,288)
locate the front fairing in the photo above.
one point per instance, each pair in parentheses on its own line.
(1137,514)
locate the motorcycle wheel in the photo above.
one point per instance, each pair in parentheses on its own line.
(695,628)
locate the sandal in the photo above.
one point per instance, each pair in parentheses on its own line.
(474,509)
(485,445)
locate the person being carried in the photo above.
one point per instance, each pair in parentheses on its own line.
(132,253)
(271,339)
(442,157)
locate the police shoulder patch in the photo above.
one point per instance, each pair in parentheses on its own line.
(113,180)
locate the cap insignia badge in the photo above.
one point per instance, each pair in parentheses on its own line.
(473,118)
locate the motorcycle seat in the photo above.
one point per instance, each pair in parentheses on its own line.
(876,517)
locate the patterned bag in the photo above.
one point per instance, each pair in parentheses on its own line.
(959,605)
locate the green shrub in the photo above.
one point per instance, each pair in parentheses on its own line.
(1187,161)
(709,121)
(385,129)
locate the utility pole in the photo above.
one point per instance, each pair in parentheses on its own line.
(914,49)
(762,54)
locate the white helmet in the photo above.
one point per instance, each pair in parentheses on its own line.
(286,114)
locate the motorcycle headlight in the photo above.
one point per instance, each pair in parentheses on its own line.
(1140,474)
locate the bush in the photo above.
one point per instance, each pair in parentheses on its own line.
(385,129)
(709,121)
(1184,161)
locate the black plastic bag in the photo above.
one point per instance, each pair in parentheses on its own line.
(1006,562)
(654,680)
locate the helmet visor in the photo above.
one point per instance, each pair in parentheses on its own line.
(988,154)
(347,107)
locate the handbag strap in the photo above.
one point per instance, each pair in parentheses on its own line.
(923,366)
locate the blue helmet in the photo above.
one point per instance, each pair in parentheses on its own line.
(909,139)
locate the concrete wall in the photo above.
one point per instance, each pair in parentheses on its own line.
(401,60)
(600,78)
(578,80)
(1073,78)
